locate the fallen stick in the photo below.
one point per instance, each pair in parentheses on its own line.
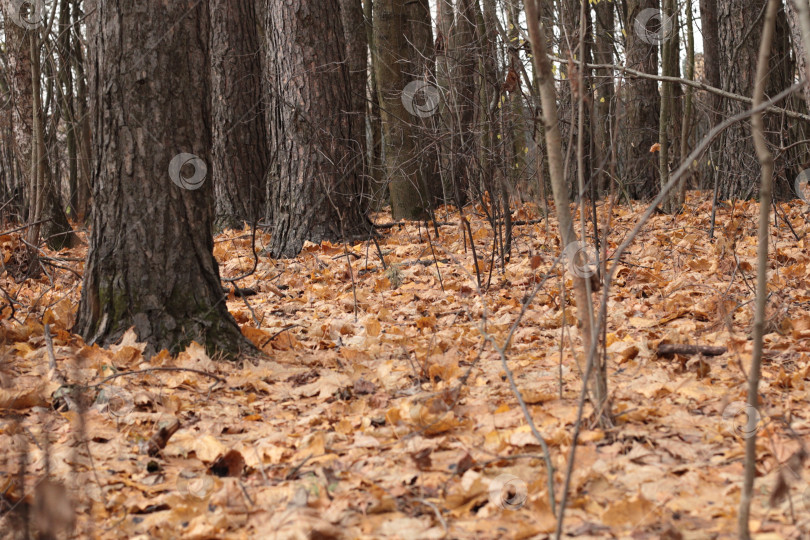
(161,437)
(669,349)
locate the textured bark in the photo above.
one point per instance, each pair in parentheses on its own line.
(711,54)
(711,73)
(422,54)
(464,54)
(151,262)
(798,45)
(84,139)
(666,114)
(740,30)
(604,107)
(639,109)
(239,136)
(422,66)
(444,24)
(494,138)
(19,79)
(11,182)
(314,185)
(409,199)
(354,33)
(688,123)
(445,17)
(522,179)
(68,108)
(378,186)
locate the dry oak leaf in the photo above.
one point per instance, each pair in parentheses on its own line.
(11,398)
(633,512)
(205,447)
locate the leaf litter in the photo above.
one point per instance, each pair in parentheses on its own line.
(378,411)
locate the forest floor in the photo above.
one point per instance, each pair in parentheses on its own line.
(381,411)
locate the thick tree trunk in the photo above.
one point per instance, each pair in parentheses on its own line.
(666,113)
(522,179)
(19,78)
(379,188)
(604,122)
(422,67)
(711,53)
(798,45)
(354,33)
(711,73)
(740,31)
(84,139)
(638,113)
(409,198)
(445,17)
(150,263)
(688,123)
(315,186)
(239,136)
(464,54)
(68,107)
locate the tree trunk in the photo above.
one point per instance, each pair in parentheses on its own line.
(463,53)
(151,262)
(445,17)
(522,180)
(239,143)
(670,203)
(688,124)
(598,382)
(45,212)
(69,110)
(314,185)
(84,139)
(20,87)
(604,122)
(409,198)
(638,116)
(422,67)
(570,92)
(711,54)
(378,186)
(354,32)
(798,45)
(740,30)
